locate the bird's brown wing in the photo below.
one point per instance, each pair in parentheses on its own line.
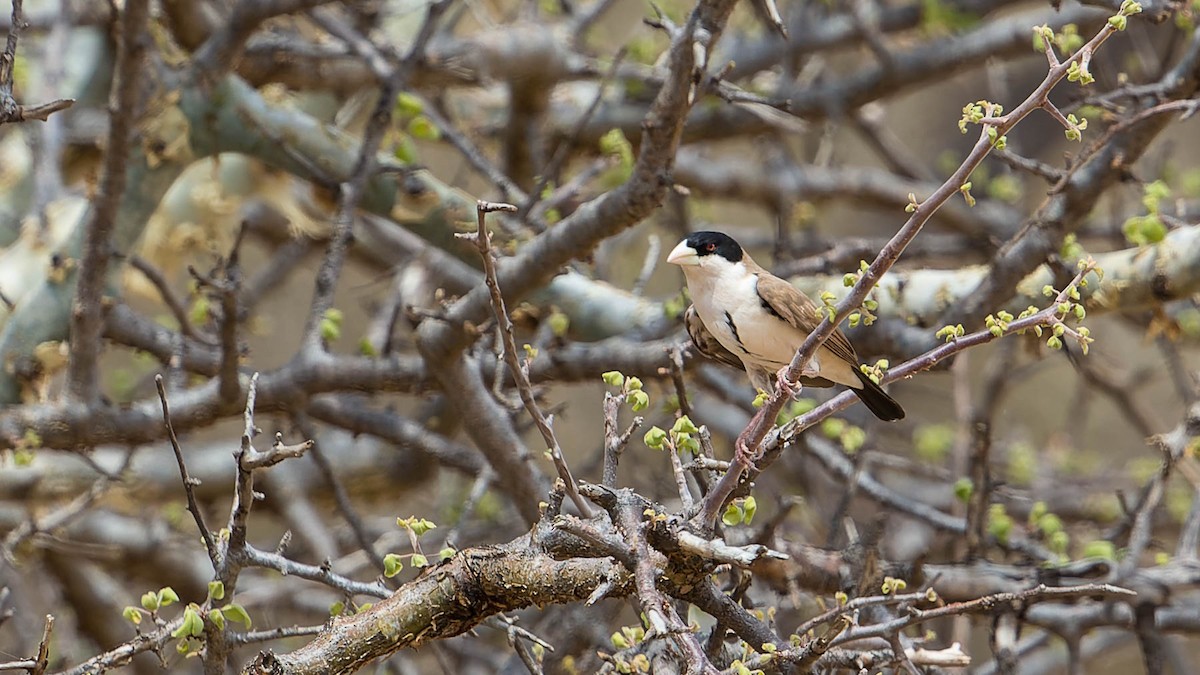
(790,304)
(705,342)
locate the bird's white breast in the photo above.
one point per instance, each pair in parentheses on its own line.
(728,303)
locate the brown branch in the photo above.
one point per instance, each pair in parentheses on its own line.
(659,611)
(520,373)
(221,50)
(189,483)
(10,110)
(1074,195)
(352,190)
(979,431)
(340,496)
(448,600)
(87,310)
(168,296)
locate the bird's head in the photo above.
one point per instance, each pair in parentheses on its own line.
(706,250)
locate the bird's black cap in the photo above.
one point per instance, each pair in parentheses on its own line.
(715,243)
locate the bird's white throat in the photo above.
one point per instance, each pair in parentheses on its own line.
(720,283)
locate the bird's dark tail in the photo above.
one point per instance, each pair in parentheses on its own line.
(877,400)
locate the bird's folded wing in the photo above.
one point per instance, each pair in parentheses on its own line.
(705,342)
(793,306)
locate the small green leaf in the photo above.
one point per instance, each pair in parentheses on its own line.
(423,129)
(853,438)
(963,489)
(1099,548)
(559,323)
(405,150)
(684,425)
(421,526)
(331,325)
(687,443)
(199,312)
(760,399)
(833,427)
(216,590)
(613,378)
(217,618)
(133,614)
(932,442)
(999,523)
(366,348)
(235,612)
(408,105)
(164,598)
(614,144)
(638,400)
(191,626)
(150,601)
(733,515)
(750,507)
(654,438)
(1050,524)
(419,560)
(1039,509)
(392,564)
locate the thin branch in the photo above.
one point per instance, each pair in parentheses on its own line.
(155,277)
(364,169)
(87,311)
(322,573)
(340,496)
(10,110)
(520,373)
(189,483)
(562,151)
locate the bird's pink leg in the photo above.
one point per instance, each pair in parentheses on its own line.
(743,454)
(793,388)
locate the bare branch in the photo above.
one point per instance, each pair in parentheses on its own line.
(86,314)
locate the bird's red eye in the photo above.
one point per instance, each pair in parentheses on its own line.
(710,247)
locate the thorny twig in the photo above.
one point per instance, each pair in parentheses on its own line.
(519,371)
(189,483)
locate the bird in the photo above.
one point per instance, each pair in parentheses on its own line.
(745,317)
